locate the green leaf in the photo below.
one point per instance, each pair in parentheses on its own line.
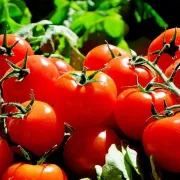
(155,174)
(61,12)
(116,167)
(114,26)
(26,31)
(131,157)
(123,44)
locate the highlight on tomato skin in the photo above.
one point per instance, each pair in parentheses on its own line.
(22,171)
(100,55)
(161,140)
(18,52)
(61,65)
(171,54)
(86,148)
(39,130)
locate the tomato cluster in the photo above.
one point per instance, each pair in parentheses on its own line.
(48,104)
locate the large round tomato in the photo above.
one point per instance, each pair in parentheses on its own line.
(85,104)
(86,148)
(6,156)
(100,55)
(61,65)
(16,54)
(171,54)
(22,171)
(41,79)
(133,108)
(125,74)
(161,139)
(39,130)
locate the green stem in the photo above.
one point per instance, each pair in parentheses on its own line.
(171,85)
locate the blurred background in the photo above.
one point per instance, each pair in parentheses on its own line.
(125,23)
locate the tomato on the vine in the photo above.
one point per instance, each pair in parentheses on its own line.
(133,109)
(100,55)
(125,74)
(86,148)
(22,171)
(61,65)
(6,156)
(41,79)
(14,54)
(171,36)
(39,130)
(161,140)
(85,100)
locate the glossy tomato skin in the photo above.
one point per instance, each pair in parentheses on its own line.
(125,74)
(22,171)
(86,148)
(19,51)
(6,156)
(86,105)
(61,65)
(42,79)
(157,44)
(161,139)
(39,131)
(100,55)
(133,109)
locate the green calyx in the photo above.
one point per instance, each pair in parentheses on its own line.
(83,79)
(19,72)
(172,48)
(5,49)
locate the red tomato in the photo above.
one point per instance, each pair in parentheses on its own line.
(22,171)
(161,139)
(42,79)
(125,74)
(100,55)
(171,54)
(86,148)
(6,156)
(18,51)
(39,131)
(85,105)
(133,108)
(61,65)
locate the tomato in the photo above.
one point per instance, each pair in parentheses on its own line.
(125,74)
(41,79)
(39,130)
(16,54)
(85,104)
(86,148)
(171,54)
(6,156)
(133,109)
(22,171)
(61,65)
(100,55)
(161,139)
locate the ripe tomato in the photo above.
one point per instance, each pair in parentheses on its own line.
(171,54)
(39,131)
(22,171)
(42,79)
(100,55)
(125,74)
(161,139)
(6,156)
(18,51)
(86,148)
(133,108)
(61,65)
(85,104)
